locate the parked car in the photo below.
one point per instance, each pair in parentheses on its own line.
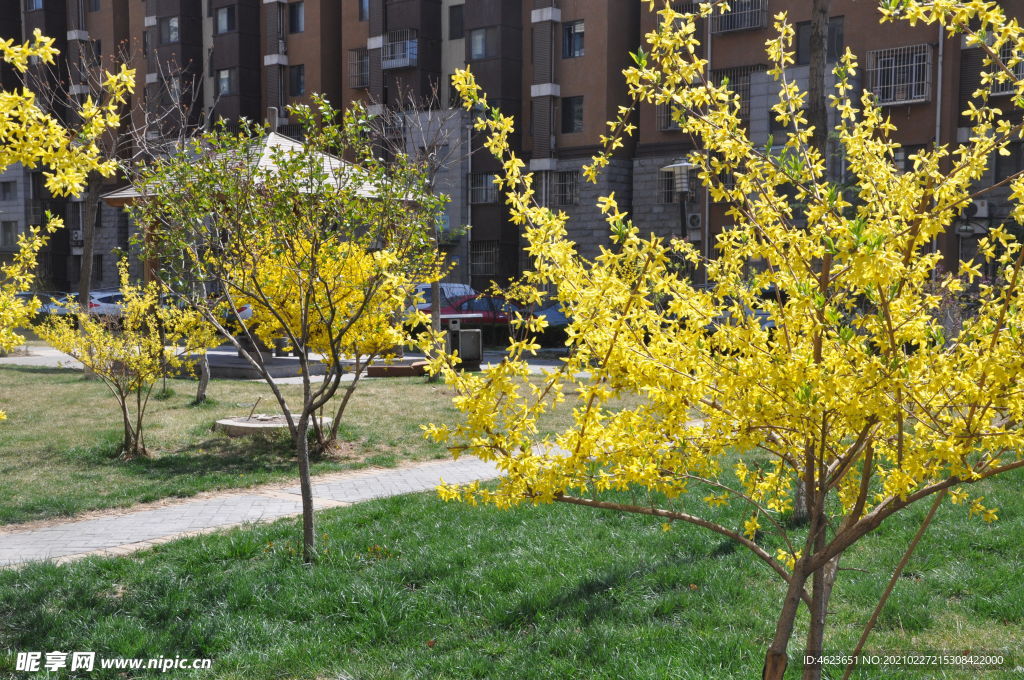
(478,310)
(106,303)
(449,293)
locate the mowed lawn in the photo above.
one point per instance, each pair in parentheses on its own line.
(411,587)
(57,445)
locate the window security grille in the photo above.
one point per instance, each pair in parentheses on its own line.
(1006,54)
(665,120)
(359,69)
(900,75)
(739,82)
(482,188)
(483,258)
(401,49)
(667,186)
(567,188)
(743,15)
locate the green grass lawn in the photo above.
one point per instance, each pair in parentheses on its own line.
(410,587)
(56,448)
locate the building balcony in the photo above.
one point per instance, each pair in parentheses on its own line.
(400,50)
(743,15)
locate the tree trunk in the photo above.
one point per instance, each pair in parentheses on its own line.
(800,503)
(305,484)
(89,209)
(821,592)
(435,319)
(776,659)
(817,110)
(204,378)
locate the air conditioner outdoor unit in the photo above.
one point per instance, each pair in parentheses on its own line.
(694,221)
(977,210)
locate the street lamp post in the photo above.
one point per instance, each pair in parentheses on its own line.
(681,184)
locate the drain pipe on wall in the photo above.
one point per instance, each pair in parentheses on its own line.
(938,127)
(706,226)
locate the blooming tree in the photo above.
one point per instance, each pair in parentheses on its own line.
(32,137)
(855,390)
(321,251)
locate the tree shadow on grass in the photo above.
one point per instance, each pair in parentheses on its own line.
(587,599)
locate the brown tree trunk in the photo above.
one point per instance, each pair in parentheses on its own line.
(821,591)
(435,317)
(817,110)
(306,486)
(89,209)
(776,659)
(204,378)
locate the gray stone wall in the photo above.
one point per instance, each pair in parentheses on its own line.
(650,211)
(12,206)
(586,224)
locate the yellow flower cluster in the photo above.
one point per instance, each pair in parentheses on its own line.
(32,137)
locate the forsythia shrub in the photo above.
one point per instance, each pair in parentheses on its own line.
(32,137)
(856,392)
(152,338)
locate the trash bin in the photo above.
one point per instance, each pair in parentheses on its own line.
(469,344)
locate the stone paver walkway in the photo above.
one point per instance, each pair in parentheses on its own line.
(135,530)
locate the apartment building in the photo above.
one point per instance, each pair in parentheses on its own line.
(922,78)
(554,64)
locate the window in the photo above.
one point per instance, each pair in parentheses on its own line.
(567,187)
(225,19)
(37,186)
(296,17)
(483,43)
(169,30)
(665,119)
(739,82)
(359,68)
(296,80)
(900,75)
(73,219)
(572,39)
(483,258)
(97,272)
(1012,164)
(482,188)
(572,115)
(743,15)
(7,191)
(833,41)
(455,30)
(364,10)
(31,5)
(1006,53)
(8,234)
(667,186)
(225,82)
(94,5)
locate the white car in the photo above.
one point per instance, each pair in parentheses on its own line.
(101,303)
